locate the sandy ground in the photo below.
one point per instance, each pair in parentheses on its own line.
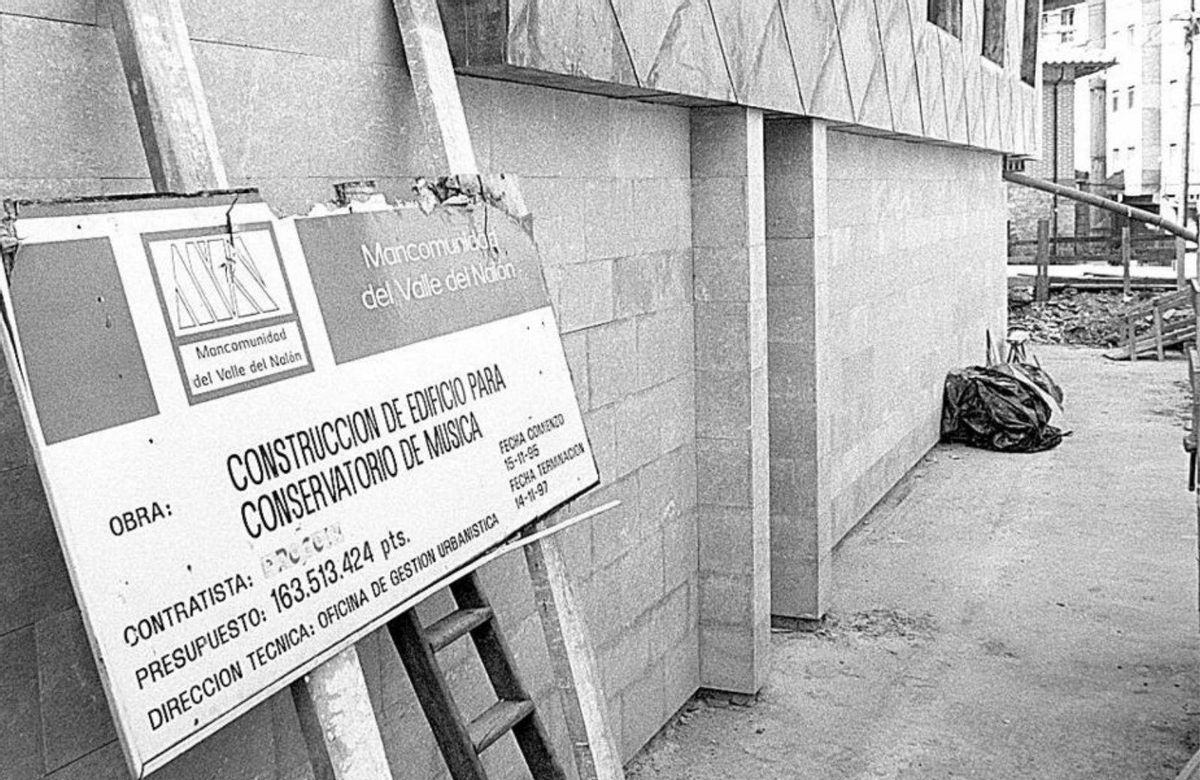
(997,616)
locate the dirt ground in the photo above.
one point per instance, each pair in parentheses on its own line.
(996,616)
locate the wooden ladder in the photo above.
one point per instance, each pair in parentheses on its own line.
(462,743)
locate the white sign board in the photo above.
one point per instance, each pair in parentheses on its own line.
(261,438)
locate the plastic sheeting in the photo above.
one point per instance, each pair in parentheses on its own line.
(1005,407)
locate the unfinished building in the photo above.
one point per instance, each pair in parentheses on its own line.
(769,228)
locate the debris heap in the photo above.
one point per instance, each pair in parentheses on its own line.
(1091,319)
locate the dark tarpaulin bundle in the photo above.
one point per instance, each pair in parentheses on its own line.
(1005,407)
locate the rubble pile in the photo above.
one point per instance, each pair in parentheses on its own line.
(1092,319)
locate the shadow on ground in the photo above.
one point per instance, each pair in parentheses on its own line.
(996,616)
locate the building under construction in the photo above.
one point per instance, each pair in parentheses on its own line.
(769,228)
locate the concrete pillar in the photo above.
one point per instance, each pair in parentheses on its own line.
(797,240)
(729,247)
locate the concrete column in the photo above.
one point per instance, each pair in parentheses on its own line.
(797,236)
(729,245)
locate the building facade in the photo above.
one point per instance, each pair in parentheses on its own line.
(769,228)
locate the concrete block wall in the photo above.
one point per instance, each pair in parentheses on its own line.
(728,203)
(913,280)
(304,94)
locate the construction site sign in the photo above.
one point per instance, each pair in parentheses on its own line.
(261,438)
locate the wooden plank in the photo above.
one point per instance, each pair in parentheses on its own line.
(433,693)
(497,720)
(181,151)
(1126,258)
(168,98)
(455,626)
(1158,334)
(576,675)
(1041,286)
(575,670)
(531,734)
(438,103)
(1180,264)
(338,722)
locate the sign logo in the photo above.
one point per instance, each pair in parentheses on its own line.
(217,281)
(228,308)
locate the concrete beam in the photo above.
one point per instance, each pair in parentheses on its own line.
(729,244)
(797,238)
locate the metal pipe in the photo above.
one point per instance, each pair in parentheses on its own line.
(1102,203)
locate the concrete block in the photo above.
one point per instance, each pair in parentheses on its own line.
(723,337)
(681,549)
(616,531)
(587,295)
(720,143)
(650,141)
(667,486)
(643,584)
(68,127)
(557,205)
(674,619)
(790,315)
(603,602)
(74,11)
(378,35)
(723,274)
(17,452)
(74,711)
(721,215)
(612,351)
(639,438)
(302,26)
(601,425)
(527,641)
(727,659)
(508,586)
(607,210)
(646,283)
(576,351)
(726,537)
(20,726)
(723,471)
(106,763)
(665,346)
(724,404)
(677,423)
(33,583)
(625,658)
(243,750)
(633,284)
(681,671)
(726,599)
(642,703)
(652,215)
(791,373)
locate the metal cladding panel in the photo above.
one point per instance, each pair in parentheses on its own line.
(756,50)
(1014,21)
(1008,116)
(878,64)
(580,38)
(991,100)
(900,62)
(864,62)
(973,85)
(930,81)
(675,47)
(817,52)
(952,78)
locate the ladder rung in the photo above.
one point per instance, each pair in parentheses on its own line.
(455,625)
(498,720)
